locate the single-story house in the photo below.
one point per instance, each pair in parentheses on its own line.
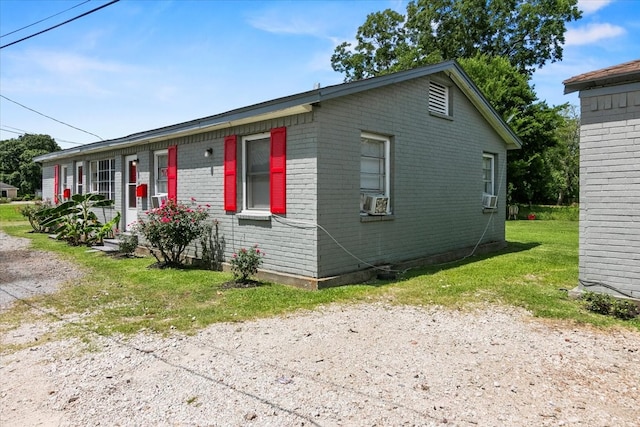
(8,191)
(328,182)
(609,179)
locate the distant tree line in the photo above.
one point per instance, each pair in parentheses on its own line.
(17,167)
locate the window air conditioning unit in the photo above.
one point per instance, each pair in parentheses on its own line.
(376,205)
(158,200)
(489,201)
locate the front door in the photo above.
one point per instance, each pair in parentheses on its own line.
(130,191)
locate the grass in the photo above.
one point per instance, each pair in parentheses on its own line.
(10,213)
(124,296)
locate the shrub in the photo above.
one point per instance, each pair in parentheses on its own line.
(212,245)
(169,229)
(625,310)
(245,263)
(610,306)
(127,243)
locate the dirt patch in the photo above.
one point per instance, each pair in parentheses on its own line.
(27,272)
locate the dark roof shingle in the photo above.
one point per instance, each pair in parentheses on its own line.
(616,74)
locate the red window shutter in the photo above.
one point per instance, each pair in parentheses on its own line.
(56,183)
(278,178)
(172,173)
(230,170)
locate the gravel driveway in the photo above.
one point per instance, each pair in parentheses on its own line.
(353,365)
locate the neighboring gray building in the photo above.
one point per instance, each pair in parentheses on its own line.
(8,191)
(609,178)
(328,182)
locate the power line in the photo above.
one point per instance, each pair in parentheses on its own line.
(61,24)
(11,131)
(7,128)
(42,20)
(51,118)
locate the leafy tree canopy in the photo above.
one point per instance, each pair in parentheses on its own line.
(527,32)
(17,167)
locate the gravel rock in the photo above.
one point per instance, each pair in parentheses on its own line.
(25,272)
(339,365)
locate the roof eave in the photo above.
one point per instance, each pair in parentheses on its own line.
(571,85)
(488,112)
(227,120)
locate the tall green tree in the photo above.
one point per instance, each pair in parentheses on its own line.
(564,159)
(17,167)
(529,33)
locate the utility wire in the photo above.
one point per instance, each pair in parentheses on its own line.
(61,24)
(11,131)
(49,117)
(42,20)
(7,128)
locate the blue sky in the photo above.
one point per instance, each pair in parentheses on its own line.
(138,65)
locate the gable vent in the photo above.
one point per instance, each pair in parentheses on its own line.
(438,98)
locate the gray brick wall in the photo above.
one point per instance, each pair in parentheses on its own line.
(610,191)
(436,186)
(610,104)
(290,245)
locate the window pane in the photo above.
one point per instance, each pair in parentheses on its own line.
(372,166)
(372,147)
(161,173)
(258,189)
(371,184)
(132,196)
(487,174)
(258,156)
(257,164)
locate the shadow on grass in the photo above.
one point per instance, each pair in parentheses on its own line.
(512,247)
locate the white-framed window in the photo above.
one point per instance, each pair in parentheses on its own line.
(256,151)
(489,196)
(374,171)
(439,99)
(488,174)
(79,177)
(103,177)
(161,172)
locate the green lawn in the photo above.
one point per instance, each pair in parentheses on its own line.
(10,213)
(123,295)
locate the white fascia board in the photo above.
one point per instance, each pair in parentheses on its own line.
(179,131)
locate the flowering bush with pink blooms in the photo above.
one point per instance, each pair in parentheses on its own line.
(245,263)
(170,228)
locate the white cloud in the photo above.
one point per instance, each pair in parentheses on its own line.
(591,6)
(592,33)
(273,22)
(69,63)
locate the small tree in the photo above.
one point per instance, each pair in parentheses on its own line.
(169,229)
